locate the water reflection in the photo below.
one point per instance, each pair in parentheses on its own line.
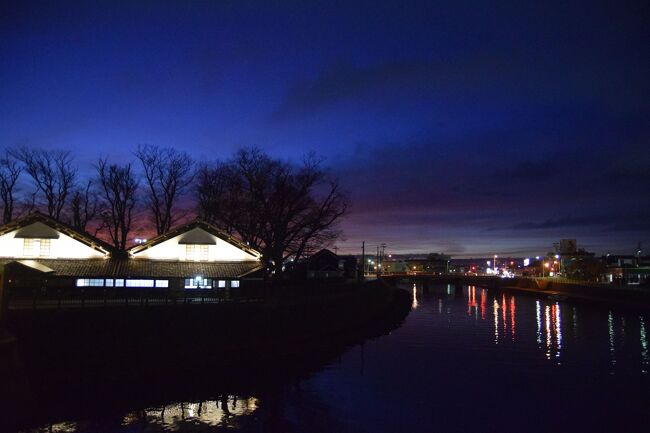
(538,308)
(549,319)
(495,307)
(506,307)
(612,343)
(557,327)
(645,360)
(512,317)
(222,412)
(225,412)
(471,299)
(414,304)
(538,338)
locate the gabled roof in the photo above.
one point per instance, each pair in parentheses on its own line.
(36,217)
(179,230)
(323,252)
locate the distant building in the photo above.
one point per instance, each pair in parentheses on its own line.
(627,269)
(323,265)
(435,263)
(568,246)
(568,251)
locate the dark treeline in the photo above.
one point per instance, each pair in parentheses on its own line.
(284,209)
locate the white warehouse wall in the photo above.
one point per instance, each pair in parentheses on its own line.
(64,247)
(221,251)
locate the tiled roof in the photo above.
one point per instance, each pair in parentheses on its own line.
(140,268)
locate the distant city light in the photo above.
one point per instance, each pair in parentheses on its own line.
(526,262)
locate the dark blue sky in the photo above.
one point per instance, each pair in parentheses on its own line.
(465,127)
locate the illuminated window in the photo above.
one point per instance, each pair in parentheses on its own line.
(45,248)
(28,247)
(198,283)
(234,283)
(90,282)
(109,282)
(36,247)
(119,283)
(189,252)
(162,283)
(139,283)
(196,253)
(203,252)
(222,284)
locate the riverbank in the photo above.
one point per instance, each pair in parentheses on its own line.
(638,299)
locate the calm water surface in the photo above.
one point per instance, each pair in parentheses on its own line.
(463,362)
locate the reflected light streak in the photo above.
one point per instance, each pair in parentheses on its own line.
(558,329)
(414,305)
(495,309)
(483,304)
(645,358)
(471,299)
(504,308)
(512,317)
(547,319)
(612,348)
(538,310)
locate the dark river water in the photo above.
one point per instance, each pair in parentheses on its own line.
(460,362)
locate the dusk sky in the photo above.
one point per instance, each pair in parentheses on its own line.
(471,128)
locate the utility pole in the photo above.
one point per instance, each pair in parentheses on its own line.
(363,260)
(378,264)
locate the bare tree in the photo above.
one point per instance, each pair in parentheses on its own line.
(118,185)
(83,206)
(284,210)
(219,196)
(168,174)
(53,174)
(10,170)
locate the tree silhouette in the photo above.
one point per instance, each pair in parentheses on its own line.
(282,209)
(10,170)
(119,185)
(168,174)
(53,174)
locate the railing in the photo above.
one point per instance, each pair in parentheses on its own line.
(83,298)
(88,297)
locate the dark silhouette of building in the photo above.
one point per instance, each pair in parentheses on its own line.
(324,264)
